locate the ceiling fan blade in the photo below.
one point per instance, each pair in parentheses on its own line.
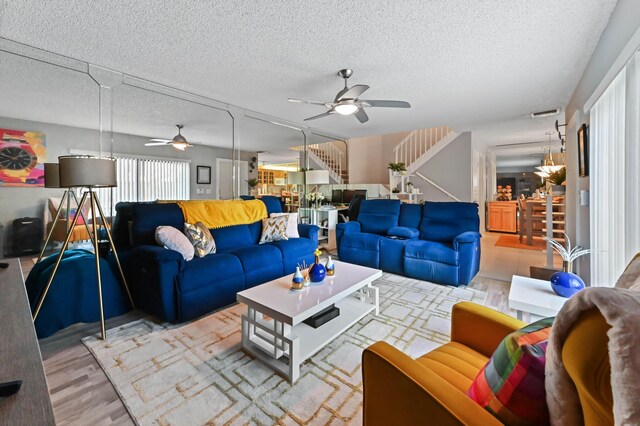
(300,101)
(353,92)
(386,104)
(315,117)
(156,143)
(361,115)
(160,140)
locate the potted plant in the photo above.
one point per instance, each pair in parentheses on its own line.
(397,168)
(558,180)
(565,283)
(253,182)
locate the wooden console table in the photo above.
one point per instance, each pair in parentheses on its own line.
(20,357)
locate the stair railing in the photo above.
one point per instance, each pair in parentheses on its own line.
(330,158)
(418,143)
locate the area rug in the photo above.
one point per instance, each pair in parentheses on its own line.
(513,241)
(196,373)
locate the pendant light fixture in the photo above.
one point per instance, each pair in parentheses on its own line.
(549,167)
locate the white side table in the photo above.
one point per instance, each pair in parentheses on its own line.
(534,297)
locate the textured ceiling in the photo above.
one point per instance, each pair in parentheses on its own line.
(462,63)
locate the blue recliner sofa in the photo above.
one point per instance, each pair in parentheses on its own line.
(162,283)
(437,241)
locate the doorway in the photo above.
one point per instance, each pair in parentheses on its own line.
(224,178)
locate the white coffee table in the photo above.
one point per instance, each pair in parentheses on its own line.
(273,328)
(534,297)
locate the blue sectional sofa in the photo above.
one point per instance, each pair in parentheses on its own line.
(162,283)
(437,241)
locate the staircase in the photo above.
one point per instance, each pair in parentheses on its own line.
(328,157)
(421,145)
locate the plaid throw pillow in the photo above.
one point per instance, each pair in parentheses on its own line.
(274,229)
(511,385)
(201,238)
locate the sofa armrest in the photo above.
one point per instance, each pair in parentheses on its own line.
(481,328)
(352,227)
(152,273)
(466,238)
(308,231)
(400,391)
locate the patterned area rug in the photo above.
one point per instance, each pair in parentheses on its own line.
(196,373)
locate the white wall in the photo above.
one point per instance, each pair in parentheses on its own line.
(622,27)
(369,157)
(366,163)
(18,202)
(451,168)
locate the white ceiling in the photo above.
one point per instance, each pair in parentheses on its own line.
(461,63)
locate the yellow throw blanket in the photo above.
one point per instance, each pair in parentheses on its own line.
(221,213)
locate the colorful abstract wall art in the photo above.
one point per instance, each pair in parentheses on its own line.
(22,156)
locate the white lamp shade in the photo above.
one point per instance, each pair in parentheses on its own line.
(317,177)
(87,171)
(51,175)
(295,178)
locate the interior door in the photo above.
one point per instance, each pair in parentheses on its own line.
(224,179)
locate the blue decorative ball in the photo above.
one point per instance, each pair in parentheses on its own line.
(566,284)
(317,273)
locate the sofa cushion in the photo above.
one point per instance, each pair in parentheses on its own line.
(294,251)
(273,203)
(209,270)
(147,217)
(292,223)
(511,385)
(361,249)
(456,363)
(274,229)
(430,250)
(377,216)
(172,239)
(443,221)
(231,237)
(403,232)
(410,215)
(260,263)
(201,238)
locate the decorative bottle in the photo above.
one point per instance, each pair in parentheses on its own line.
(317,271)
(298,280)
(330,267)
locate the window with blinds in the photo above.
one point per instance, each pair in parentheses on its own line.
(146,180)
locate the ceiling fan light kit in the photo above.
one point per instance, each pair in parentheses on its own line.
(179,142)
(346,101)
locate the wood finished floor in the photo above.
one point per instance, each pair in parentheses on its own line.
(81,394)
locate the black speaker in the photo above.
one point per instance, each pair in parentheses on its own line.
(27,235)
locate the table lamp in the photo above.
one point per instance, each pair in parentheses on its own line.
(89,172)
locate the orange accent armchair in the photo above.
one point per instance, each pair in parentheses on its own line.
(432,389)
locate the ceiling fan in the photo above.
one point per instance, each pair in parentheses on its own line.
(178,142)
(347,102)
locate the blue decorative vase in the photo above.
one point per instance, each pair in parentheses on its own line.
(317,272)
(566,284)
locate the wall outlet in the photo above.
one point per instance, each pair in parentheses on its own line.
(208,191)
(199,191)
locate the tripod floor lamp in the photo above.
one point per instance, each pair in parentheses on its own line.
(88,172)
(52,180)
